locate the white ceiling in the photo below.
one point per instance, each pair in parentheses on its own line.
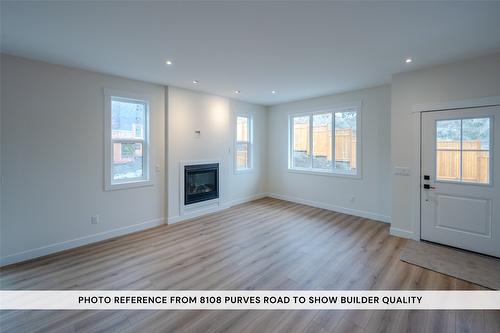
(300,49)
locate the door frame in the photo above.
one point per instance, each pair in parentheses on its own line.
(416,177)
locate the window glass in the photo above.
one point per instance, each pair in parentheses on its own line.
(242,129)
(475,150)
(127,161)
(127,119)
(345,141)
(242,155)
(476,134)
(326,141)
(301,148)
(322,141)
(463,150)
(243,143)
(128,133)
(448,151)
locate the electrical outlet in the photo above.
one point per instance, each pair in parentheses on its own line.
(157,168)
(353,198)
(94,219)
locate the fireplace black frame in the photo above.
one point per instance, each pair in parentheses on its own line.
(200,197)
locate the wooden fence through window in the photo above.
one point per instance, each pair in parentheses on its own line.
(475,162)
(345,143)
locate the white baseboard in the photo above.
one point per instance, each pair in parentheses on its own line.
(247,199)
(66,245)
(335,208)
(402,233)
(225,205)
(188,216)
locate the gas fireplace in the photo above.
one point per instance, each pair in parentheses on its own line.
(201,182)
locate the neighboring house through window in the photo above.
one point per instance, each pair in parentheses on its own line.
(127,141)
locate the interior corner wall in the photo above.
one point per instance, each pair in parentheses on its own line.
(213,116)
(463,80)
(53,160)
(367,197)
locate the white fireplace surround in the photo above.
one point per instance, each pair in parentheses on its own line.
(204,207)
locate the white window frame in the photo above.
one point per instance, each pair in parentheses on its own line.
(332,172)
(249,116)
(145,180)
(490,151)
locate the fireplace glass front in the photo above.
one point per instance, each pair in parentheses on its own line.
(201,182)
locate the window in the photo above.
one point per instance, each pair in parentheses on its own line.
(243,145)
(463,150)
(301,152)
(126,141)
(325,141)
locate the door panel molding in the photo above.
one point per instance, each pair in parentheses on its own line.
(487,211)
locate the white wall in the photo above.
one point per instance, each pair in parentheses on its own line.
(189,111)
(371,192)
(52,160)
(249,184)
(459,81)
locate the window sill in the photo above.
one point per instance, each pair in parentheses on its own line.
(243,171)
(325,173)
(127,185)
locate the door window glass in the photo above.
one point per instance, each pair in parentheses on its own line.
(463,150)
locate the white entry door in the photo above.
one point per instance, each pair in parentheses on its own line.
(460,194)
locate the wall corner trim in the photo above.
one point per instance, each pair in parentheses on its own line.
(402,233)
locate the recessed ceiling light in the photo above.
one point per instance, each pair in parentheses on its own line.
(273,92)
(196,81)
(408,60)
(237,91)
(169,62)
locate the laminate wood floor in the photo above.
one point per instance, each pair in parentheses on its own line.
(264,244)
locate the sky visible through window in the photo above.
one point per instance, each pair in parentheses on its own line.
(126,117)
(467,129)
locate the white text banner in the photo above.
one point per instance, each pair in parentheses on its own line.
(247,300)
